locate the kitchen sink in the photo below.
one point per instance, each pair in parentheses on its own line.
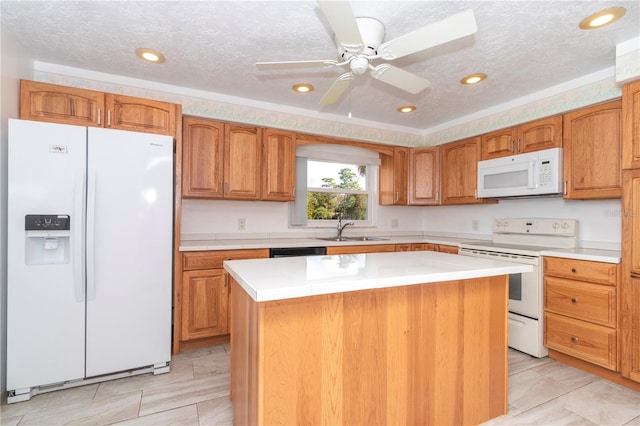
(367,239)
(346,239)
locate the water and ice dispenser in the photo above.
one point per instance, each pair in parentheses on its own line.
(47,238)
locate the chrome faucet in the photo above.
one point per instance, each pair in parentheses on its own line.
(341,227)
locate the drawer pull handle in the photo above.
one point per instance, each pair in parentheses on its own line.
(574,270)
(574,300)
(574,340)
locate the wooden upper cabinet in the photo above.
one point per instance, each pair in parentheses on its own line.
(424,176)
(393,177)
(68,105)
(202,158)
(60,104)
(533,136)
(631,125)
(540,134)
(500,143)
(140,115)
(459,171)
(221,160)
(592,152)
(243,162)
(278,165)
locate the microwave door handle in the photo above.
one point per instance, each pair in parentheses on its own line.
(534,174)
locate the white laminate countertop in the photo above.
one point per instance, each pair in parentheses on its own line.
(597,255)
(257,243)
(289,277)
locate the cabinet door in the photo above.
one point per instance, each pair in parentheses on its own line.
(202,158)
(400,175)
(205,301)
(140,115)
(376,248)
(631,125)
(459,165)
(540,134)
(424,176)
(243,165)
(629,293)
(500,143)
(448,249)
(60,104)
(393,177)
(592,152)
(279,165)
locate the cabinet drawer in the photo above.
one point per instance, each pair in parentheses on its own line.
(589,342)
(595,272)
(213,259)
(590,302)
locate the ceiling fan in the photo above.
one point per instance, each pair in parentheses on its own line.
(360,41)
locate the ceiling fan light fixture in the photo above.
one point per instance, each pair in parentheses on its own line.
(303,88)
(406,109)
(473,78)
(602,18)
(150,55)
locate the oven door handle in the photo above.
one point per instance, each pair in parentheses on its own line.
(516,322)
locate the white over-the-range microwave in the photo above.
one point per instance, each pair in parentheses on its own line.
(522,175)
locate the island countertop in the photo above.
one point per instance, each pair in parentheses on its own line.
(290,277)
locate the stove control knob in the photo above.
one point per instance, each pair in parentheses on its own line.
(565,225)
(556,225)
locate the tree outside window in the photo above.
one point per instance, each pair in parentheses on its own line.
(336,190)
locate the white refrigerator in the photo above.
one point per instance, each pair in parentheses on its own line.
(90,248)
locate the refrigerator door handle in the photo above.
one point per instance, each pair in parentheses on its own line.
(78,236)
(91,231)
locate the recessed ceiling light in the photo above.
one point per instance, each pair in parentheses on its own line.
(602,18)
(150,55)
(406,109)
(303,88)
(473,78)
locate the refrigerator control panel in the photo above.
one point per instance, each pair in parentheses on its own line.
(47,222)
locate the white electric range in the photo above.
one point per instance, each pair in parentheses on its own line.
(521,240)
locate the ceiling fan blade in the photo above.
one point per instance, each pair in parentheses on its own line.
(337,89)
(296,64)
(400,78)
(454,27)
(343,23)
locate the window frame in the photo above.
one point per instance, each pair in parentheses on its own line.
(371,176)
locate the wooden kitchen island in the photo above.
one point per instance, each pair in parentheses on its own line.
(383,338)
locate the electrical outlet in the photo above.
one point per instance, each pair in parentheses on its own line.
(242,224)
(475,225)
(394,223)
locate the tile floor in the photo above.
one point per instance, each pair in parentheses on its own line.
(196,392)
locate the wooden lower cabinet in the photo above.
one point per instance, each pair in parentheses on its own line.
(359,249)
(630,282)
(205,304)
(388,356)
(581,310)
(427,247)
(201,316)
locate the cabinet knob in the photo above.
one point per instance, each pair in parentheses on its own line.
(574,300)
(574,340)
(574,270)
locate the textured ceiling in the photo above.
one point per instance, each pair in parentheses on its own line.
(524,47)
